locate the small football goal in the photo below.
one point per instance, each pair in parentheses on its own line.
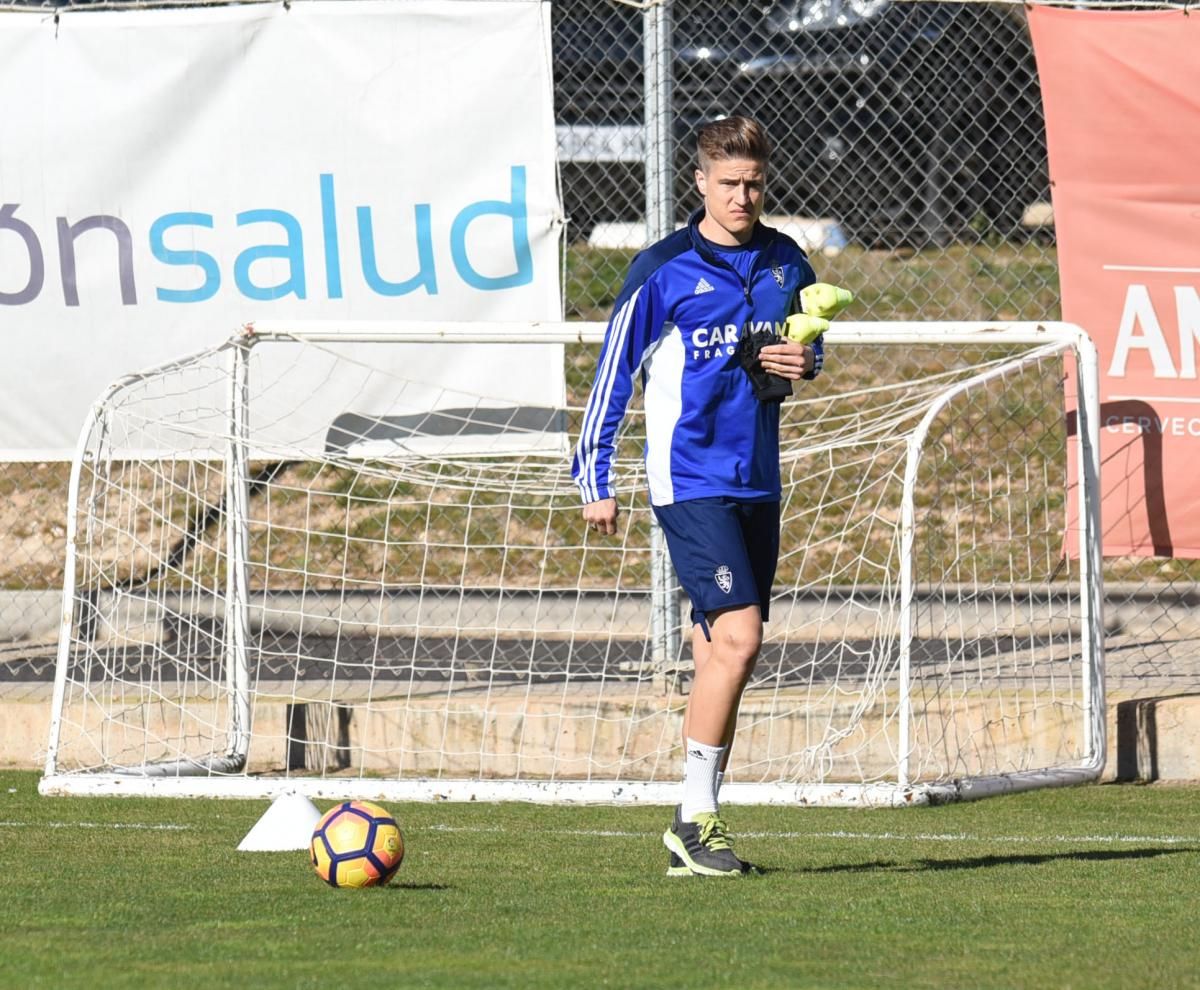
(272,585)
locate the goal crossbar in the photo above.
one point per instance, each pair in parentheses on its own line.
(583,332)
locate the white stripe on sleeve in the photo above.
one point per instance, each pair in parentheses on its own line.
(587,450)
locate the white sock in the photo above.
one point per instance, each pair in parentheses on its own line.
(720,781)
(700,779)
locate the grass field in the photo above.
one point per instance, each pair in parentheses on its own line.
(992,281)
(1090,887)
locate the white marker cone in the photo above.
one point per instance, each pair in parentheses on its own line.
(287,824)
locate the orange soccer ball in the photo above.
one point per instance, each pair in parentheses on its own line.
(356,844)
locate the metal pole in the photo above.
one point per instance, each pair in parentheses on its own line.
(660,221)
(658,76)
(908,533)
(237,569)
(1091,567)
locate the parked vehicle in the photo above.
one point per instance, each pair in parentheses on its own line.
(909,123)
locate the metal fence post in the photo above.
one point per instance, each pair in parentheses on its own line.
(660,221)
(656,44)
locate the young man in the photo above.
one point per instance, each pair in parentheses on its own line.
(691,307)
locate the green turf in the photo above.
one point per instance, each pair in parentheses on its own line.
(1090,887)
(992,281)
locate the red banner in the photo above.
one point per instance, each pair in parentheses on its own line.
(1122,100)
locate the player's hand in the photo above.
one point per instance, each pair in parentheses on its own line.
(788,359)
(602,516)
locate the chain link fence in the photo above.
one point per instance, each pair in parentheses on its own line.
(910,161)
(909,143)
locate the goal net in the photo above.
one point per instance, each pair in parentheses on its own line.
(359,606)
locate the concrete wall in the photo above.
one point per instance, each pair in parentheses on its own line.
(1148,738)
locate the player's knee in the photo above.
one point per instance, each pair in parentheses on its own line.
(738,648)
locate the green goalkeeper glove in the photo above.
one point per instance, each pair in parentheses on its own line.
(824,300)
(800,328)
(821,302)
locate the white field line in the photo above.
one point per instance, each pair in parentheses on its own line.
(1115,839)
(142,826)
(854,836)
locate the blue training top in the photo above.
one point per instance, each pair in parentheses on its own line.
(677,320)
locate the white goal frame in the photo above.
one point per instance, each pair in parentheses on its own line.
(224,777)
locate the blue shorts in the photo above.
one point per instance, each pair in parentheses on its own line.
(724,551)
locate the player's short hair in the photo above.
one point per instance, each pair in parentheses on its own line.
(732,137)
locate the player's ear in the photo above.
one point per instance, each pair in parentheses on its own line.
(701,183)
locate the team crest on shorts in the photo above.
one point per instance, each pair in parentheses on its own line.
(777,271)
(724,578)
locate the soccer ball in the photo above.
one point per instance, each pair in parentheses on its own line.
(356,844)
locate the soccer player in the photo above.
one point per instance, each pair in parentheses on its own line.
(687,319)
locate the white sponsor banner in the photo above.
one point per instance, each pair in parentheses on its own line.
(169,175)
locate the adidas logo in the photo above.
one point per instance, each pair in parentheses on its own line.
(702,287)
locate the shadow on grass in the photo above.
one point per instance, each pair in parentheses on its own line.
(982,862)
(1143,644)
(417,886)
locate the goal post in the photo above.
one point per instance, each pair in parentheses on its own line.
(277,589)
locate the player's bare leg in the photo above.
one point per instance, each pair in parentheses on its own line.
(723,667)
(701,651)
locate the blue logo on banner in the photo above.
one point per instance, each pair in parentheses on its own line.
(283,240)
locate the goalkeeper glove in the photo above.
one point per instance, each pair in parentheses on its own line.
(800,328)
(819,303)
(824,300)
(767,387)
